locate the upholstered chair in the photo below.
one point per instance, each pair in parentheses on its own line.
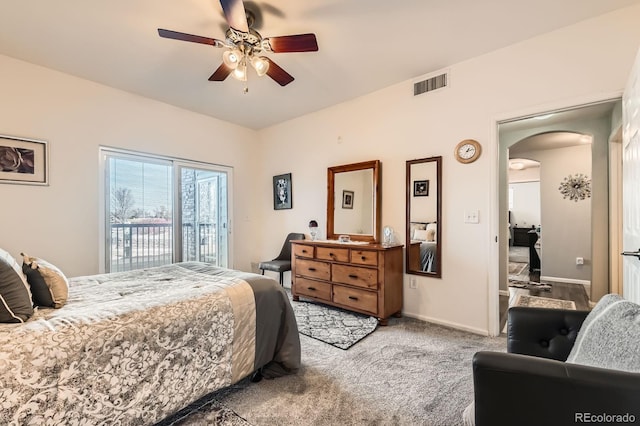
(282,263)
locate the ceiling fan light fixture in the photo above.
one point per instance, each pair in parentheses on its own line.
(260,64)
(240,72)
(232,58)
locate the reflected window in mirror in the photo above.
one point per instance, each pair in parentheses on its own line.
(424,208)
(353,201)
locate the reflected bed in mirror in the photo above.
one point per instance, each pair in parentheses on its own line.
(353,201)
(424,201)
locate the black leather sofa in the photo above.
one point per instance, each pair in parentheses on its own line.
(532,385)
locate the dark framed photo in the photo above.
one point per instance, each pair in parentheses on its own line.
(347,199)
(421,188)
(24,161)
(282,195)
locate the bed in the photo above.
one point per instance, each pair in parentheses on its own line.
(425,233)
(131,348)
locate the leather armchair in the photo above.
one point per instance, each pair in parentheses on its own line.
(532,385)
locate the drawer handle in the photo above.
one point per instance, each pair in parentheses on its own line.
(304,251)
(364,258)
(312,269)
(353,298)
(354,276)
(311,288)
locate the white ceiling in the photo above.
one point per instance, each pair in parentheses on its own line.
(364,45)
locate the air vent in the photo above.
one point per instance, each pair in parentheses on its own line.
(430,84)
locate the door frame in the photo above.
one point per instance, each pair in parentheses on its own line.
(497,174)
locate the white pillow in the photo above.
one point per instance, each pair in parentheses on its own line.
(420,235)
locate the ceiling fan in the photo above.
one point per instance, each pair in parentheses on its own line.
(244,45)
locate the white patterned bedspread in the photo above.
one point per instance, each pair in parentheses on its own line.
(128,348)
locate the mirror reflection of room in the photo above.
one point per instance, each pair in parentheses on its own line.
(423,224)
(353,203)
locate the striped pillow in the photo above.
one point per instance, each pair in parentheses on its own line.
(15,297)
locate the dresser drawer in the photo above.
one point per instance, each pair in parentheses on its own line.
(364,257)
(355,275)
(317,289)
(332,253)
(357,299)
(313,269)
(301,250)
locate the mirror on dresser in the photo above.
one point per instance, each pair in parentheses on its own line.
(424,207)
(353,201)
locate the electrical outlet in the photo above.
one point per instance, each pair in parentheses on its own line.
(579,260)
(413,283)
(471,216)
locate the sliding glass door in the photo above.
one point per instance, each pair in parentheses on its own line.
(160,210)
(204,211)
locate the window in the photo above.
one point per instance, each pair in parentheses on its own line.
(162,210)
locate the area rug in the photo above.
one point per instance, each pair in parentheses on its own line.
(516,268)
(529,285)
(543,302)
(205,412)
(334,326)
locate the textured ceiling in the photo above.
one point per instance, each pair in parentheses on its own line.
(364,45)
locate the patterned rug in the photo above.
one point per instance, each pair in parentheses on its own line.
(544,302)
(205,412)
(334,326)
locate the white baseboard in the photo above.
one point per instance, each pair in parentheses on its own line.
(504,293)
(585,283)
(447,324)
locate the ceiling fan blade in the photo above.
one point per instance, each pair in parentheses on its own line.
(189,37)
(278,74)
(293,43)
(221,73)
(235,14)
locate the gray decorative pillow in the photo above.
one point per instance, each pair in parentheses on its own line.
(48,284)
(609,336)
(15,298)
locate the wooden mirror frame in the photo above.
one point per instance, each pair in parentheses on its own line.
(377,208)
(410,247)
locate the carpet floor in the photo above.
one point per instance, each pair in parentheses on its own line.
(407,373)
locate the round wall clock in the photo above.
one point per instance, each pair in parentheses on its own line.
(468,151)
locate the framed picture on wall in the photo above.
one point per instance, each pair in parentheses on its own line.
(23,161)
(282,195)
(421,188)
(347,199)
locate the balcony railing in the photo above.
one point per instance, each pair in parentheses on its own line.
(142,245)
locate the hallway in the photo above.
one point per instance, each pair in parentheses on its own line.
(524,282)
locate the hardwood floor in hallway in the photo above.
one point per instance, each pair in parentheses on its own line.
(528,283)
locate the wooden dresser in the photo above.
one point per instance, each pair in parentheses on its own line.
(360,278)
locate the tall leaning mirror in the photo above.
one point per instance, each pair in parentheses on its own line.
(424,208)
(353,201)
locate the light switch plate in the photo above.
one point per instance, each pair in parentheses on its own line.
(472,216)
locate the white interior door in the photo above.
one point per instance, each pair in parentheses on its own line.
(631,185)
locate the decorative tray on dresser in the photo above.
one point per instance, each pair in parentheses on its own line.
(365,278)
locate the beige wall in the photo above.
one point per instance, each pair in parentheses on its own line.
(59,222)
(391,125)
